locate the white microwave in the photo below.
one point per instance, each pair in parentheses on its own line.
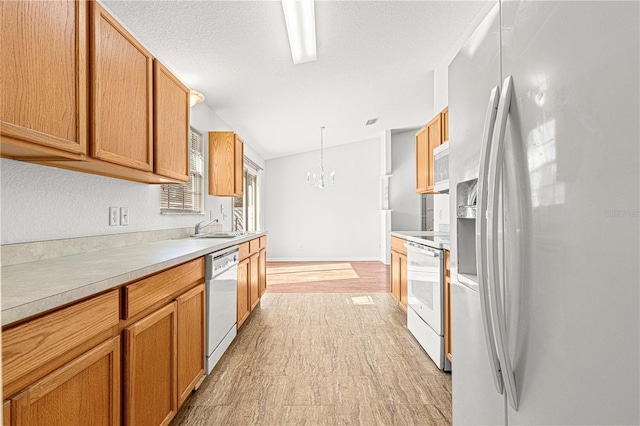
(441,168)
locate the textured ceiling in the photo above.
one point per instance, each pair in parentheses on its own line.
(375,59)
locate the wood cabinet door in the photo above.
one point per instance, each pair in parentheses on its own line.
(191,340)
(43,76)
(244,308)
(445,124)
(403,281)
(170,124)
(254,279)
(447,307)
(239,166)
(150,365)
(121,94)
(223,164)
(434,136)
(6,413)
(263,272)
(85,391)
(422,161)
(395,275)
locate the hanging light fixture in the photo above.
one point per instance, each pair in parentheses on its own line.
(317,179)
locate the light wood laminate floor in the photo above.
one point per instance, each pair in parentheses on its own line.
(323,359)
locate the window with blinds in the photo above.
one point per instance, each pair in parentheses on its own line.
(187,197)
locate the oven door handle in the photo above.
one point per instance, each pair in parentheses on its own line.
(412,247)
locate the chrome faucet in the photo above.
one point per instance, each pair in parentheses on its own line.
(201,225)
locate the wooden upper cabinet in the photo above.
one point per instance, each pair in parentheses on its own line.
(445,124)
(422,164)
(434,130)
(427,139)
(170,124)
(43,79)
(238,171)
(226,164)
(121,94)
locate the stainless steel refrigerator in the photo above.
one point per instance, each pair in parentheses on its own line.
(545,236)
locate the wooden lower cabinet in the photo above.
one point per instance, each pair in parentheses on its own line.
(262,274)
(395,275)
(404,298)
(191,340)
(399,278)
(244,307)
(132,355)
(85,391)
(252,276)
(150,367)
(447,307)
(254,279)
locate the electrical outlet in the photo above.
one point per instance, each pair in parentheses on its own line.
(114,216)
(124,216)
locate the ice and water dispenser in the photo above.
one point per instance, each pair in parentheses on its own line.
(466,203)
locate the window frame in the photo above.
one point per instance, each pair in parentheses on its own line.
(190,189)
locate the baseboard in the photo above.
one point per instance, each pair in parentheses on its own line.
(322,259)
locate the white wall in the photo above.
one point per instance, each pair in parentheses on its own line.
(441,203)
(340,222)
(403,199)
(45,203)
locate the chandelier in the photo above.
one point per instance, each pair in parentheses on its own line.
(317,179)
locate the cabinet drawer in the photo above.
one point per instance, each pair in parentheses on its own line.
(143,294)
(35,348)
(263,242)
(254,245)
(397,244)
(243,250)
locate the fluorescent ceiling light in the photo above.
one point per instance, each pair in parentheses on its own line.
(300,18)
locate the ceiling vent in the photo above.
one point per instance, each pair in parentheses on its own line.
(371,121)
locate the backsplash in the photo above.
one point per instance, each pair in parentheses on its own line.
(12,254)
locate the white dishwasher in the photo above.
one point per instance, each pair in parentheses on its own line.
(221,275)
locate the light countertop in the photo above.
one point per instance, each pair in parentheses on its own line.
(441,239)
(32,288)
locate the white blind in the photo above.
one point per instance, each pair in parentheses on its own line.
(187,197)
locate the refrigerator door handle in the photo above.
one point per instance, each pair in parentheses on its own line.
(497,311)
(481,237)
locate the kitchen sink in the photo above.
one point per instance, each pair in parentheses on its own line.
(231,234)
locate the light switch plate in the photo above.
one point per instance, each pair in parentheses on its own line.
(114,216)
(124,216)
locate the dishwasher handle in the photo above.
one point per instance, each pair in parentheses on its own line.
(422,249)
(224,269)
(220,262)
